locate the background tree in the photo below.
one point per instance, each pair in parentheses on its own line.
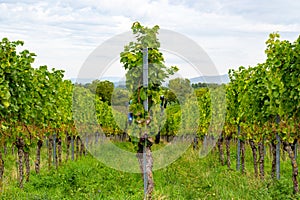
(103,89)
(120,97)
(181,88)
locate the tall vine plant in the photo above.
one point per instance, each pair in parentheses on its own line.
(132,60)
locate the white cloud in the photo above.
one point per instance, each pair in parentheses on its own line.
(63,32)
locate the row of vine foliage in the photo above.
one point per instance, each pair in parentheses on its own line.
(36,106)
(263,102)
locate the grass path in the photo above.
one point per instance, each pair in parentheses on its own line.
(187,178)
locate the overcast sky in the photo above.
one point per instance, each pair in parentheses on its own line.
(63,33)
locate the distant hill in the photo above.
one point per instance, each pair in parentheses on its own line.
(120,81)
(211,79)
(89,80)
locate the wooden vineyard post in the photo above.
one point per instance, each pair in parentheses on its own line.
(277,151)
(54,149)
(97,137)
(295,149)
(278,157)
(1,172)
(238,161)
(228,152)
(72,147)
(86,144)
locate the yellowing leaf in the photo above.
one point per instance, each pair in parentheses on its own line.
(5,103)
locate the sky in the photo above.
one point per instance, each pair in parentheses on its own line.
(63,33)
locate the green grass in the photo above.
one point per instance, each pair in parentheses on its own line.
(190,177)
